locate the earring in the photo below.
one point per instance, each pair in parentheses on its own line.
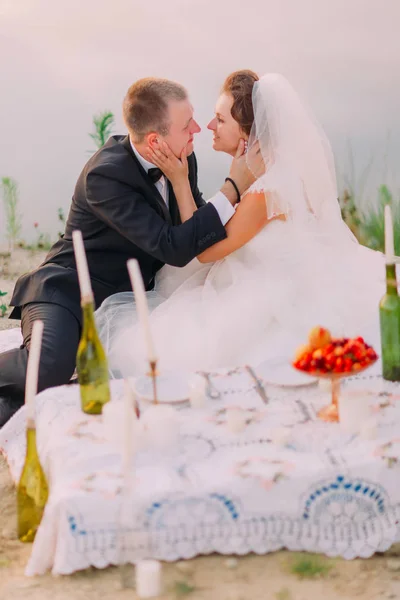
(245,145)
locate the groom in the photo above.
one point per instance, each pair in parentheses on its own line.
(125,209)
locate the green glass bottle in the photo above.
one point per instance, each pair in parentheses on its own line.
(91,365)
(389,314)
(32,490)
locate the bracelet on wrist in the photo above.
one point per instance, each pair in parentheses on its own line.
(234,186)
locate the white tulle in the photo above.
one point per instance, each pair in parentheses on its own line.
(261,300)
(300,179)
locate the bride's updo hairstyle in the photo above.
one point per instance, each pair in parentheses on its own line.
(240,86)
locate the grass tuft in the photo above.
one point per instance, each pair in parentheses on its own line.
(309,566)
(182,588)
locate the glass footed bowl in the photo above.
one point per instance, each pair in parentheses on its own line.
(330,413)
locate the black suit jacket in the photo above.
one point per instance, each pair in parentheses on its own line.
(121,215)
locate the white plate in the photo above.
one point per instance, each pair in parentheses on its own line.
(172,388)
(279,371)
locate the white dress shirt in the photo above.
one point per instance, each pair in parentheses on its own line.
(223,207)
(161,184)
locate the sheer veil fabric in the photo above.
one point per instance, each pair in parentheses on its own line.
(301,270)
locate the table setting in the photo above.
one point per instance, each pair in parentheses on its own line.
(233,475)
(171,465)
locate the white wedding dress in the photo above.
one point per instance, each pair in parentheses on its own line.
(260,301)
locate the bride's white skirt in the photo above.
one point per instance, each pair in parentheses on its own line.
(257,303)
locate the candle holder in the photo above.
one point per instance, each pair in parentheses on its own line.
(154,374)
(330,413)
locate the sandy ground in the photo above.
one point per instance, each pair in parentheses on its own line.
(215,577)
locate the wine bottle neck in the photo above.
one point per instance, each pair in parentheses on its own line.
(391,280)
(89,325)
(31,448)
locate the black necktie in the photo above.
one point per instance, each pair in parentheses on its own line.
(155,174)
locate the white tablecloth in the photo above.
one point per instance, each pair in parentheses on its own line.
(288,480)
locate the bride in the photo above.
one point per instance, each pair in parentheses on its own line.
(288,263)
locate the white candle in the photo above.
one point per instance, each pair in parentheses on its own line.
(113,422)
(32,372)
(161,427)
(354,410)
(130,416)
(120,425)
(141,305)
(148,579)
(197,391)
(389,239)
(132,385)
(82,266)
(235,420)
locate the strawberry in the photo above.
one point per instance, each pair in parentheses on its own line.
(339,363)
(347,365)
(338,351)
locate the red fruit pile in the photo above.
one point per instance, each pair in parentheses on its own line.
(325,354)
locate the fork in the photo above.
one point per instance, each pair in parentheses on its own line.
(212,392)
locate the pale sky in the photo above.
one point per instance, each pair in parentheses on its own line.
(62,61)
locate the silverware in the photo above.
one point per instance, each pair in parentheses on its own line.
(259,386)
(211,391)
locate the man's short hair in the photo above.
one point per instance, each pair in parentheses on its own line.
(145,106)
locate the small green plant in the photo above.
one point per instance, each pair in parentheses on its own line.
(372,226)
(4,561)
(3,307)
(182,588)
(61,218)
(350,213)
(43,240)
(309,566)
(368,225)
(9,188)
(283,594)
(103,125)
